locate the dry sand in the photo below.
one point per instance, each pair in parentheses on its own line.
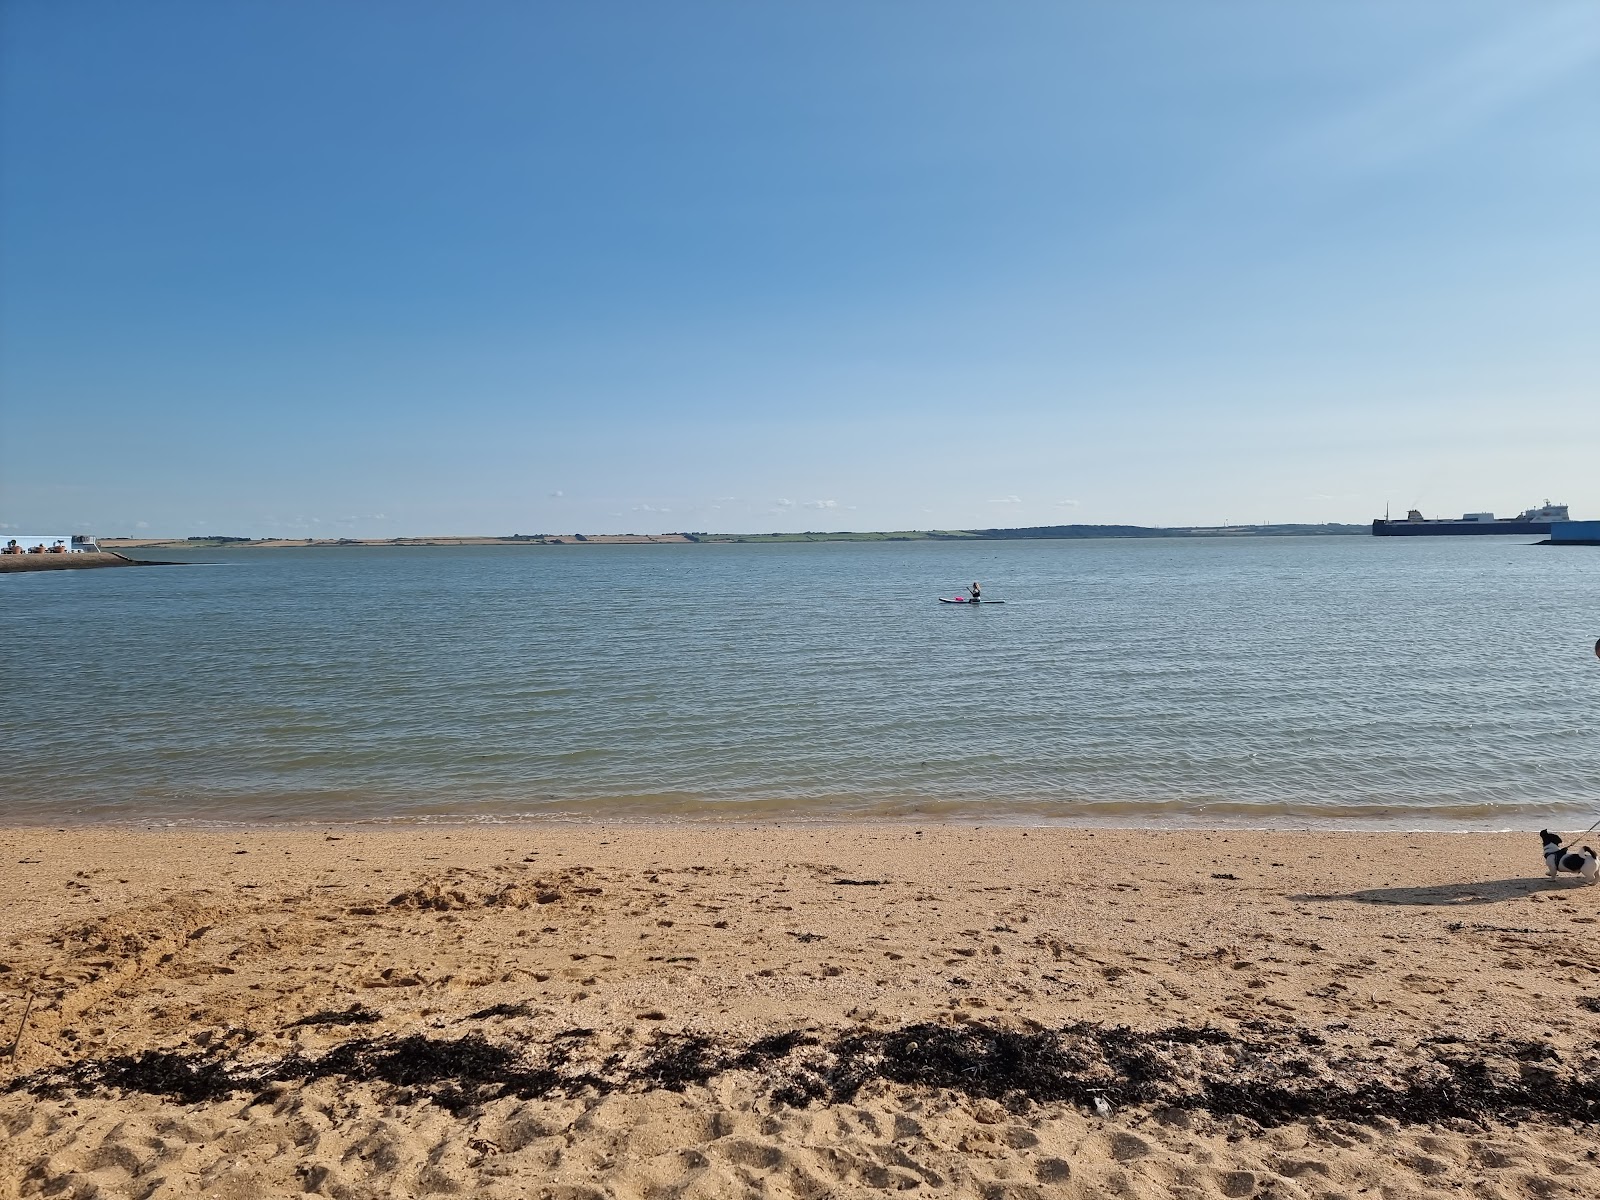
(584,1012)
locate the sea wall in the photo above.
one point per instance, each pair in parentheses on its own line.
(16,563)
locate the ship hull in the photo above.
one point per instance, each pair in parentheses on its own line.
(1381,528)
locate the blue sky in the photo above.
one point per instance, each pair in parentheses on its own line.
(321,267)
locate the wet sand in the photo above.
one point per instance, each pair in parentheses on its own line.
(749,1010)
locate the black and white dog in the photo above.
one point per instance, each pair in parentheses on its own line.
(1574,862)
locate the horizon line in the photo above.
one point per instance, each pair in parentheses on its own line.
(697,535)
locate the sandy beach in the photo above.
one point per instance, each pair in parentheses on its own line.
(579,1011)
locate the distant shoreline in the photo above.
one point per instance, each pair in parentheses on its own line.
(1029,533)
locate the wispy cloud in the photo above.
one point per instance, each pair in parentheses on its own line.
(1454,97)
(1007,500)
(1067,503)
(650,508)
(784,503)
(557,494)
(822,504)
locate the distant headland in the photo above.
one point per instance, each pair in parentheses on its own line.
(906,535)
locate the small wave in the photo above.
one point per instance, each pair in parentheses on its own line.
(683,808)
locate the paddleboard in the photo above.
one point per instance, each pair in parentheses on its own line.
(964,600)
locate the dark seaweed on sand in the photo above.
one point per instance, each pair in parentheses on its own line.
(190,1079)
(676,1062)
(1268,1074)
(1078,1065)
(501,1010)
(454,1073)
(354,1015)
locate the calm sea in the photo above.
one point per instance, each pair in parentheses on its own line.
(1286,681)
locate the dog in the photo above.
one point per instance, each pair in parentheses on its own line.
(1574,862)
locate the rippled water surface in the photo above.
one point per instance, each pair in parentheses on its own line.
(1317,680)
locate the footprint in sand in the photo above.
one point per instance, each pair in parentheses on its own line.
(1126,1147)
(1236,1183)
(1052,1170)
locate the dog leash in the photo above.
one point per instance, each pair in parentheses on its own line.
(1567,844)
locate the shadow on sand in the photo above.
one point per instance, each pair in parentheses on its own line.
(1451,895)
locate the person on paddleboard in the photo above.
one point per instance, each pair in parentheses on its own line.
(976,592)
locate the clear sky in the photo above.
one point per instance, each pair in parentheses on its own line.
(341,268)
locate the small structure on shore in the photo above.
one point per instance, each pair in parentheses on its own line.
(72,552)
(73,543)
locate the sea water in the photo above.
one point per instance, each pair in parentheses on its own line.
(1334,681)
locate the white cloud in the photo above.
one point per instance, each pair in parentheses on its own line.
(822,504)
(557,494)
(650,508)
(1066,504)
(1007,500)
(785,503)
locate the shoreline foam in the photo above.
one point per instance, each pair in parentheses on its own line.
(1400,820)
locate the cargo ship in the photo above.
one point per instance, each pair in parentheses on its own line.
(1534,520)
